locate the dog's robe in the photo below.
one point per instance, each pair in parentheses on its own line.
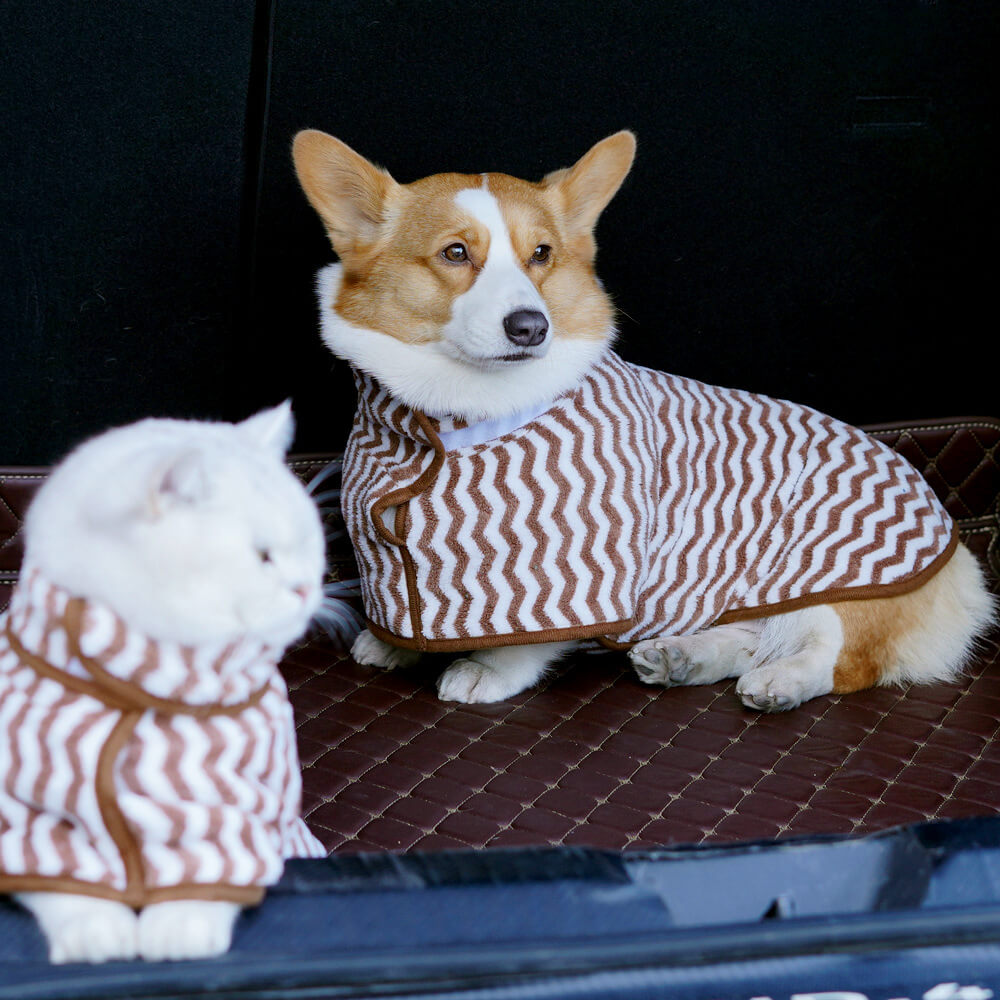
(138,770)
(637,505)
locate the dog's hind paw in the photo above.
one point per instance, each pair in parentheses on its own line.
(703,658)
(660,661)
(779,686)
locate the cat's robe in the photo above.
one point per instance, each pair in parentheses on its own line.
(147,747)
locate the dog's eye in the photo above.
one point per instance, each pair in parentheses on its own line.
(541,254)
(455,253)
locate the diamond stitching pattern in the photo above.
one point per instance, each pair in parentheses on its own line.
(684,765)
(593,757)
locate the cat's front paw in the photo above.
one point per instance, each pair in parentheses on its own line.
(107,936)
(472,682)
(370,651)
(185,929)
(83,928)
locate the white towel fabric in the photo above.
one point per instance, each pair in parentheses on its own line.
(639,504)
(140,770)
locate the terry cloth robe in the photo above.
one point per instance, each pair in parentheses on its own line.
(637,505)
(140,770)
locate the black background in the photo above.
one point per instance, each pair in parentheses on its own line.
(812,212)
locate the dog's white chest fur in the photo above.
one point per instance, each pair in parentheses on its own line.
(432,380)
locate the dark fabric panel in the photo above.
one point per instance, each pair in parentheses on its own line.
(811,211)
(121,173)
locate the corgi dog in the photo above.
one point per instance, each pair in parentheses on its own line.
(513,488)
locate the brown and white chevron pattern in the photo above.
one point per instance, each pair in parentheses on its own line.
(765,502)
(385,452)
(50,818)
(640,497)
(206,798)
(543,530)
(216,800)
(220,674)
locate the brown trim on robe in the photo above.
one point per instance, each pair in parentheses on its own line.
(830,597)
(494,641)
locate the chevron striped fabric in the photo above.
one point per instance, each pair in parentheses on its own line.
(640,504)
(139,770)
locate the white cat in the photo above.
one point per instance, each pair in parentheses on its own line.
(149,782)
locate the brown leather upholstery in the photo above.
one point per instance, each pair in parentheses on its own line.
(594,757)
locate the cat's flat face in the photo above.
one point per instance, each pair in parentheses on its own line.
(192,532)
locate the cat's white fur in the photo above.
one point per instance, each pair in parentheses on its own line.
(168,522)
(192,532)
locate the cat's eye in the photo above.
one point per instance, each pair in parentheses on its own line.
(541,254)
(455,253)
(264,555)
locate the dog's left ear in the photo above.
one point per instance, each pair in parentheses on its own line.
(592,181)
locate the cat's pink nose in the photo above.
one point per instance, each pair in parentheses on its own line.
(303,591)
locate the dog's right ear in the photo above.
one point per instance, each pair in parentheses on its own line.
(589,185)
(347,191)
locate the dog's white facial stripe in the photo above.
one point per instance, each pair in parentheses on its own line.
(475,331)
(484,208)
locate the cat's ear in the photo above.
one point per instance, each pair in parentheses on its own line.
(272,429)
(181,479)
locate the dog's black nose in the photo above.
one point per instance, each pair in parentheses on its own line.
(526,327)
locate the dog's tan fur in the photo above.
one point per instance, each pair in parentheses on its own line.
(913,637)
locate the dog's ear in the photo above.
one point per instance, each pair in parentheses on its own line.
(589,185)
(347,191)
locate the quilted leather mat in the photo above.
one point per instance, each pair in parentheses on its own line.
(593,757)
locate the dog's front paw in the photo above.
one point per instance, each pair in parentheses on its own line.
(372,652)
(186,929)
(472,682)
